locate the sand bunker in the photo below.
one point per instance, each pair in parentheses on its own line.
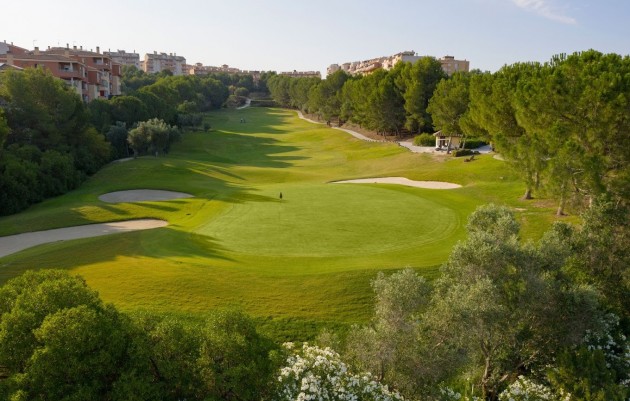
(142,195)
(15,243)
(402,181)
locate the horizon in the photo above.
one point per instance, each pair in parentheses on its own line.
(247,36)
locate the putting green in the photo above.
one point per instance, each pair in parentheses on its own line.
(332,220)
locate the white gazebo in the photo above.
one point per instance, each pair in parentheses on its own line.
(447,142)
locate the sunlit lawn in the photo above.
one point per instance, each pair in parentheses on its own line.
(296,264)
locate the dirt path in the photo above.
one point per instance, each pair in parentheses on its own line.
(15,243)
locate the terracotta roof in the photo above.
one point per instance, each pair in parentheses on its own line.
(4,66)
(74,52)
(41,57)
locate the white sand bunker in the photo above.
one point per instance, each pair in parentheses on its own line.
(402,181)
(15,243)
(142,195)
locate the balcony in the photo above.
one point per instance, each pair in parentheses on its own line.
(68,73)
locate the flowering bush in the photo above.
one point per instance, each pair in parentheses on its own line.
(614,344)
(524,389)
(448,394)
(319,374)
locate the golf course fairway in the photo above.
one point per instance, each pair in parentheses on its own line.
(298,262)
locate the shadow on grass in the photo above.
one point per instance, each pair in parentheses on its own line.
(201,165)
(257,120)
(235,148)
(161,243)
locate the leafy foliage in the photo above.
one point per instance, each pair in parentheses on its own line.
(48,146)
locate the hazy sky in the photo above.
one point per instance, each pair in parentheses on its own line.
(284,35)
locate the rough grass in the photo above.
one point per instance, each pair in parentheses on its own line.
(296,264)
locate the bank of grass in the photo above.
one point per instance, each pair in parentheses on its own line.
(296,264)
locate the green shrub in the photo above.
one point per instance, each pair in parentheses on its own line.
(474,143)
(424,139)
(463,152)
(263,103)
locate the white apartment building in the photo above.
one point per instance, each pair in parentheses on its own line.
(449,64)
(123,58)
(157,62)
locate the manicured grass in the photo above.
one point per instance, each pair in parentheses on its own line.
(296,264)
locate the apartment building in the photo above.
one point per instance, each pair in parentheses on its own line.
(449,64)
(302,74)
(200,69)
(91,75)
(103,75)
(71,71)
(123,58)
(157,62)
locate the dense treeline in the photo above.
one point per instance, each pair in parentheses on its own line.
(385,101)
(59,341)
(506,320)
(50,141)
(47,144)
(562,125)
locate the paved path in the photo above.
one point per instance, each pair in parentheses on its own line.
(15,243)
(248,102)
(349,131)
(405,144)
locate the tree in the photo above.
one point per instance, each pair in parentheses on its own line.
(421,79)
(79,355)
(117,137)
(599,253)
(508,307)
(139,140)
(26,301)
(449,103)
(4,129)
(586,375)
(279,89)
(57,339)
(381,347)
(128,109)
(100,114)
(385,105)
(324,98)
(234,359)
(152,136)
(42,113)
(493,108)
(578,104)
(166,357)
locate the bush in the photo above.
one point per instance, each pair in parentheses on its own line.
(315,373)
(235,101)
(424,139)
(474,143)
(263,103)
(463,152)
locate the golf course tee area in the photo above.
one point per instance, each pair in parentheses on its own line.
(261,226)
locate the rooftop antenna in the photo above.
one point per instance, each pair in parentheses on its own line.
(34,40)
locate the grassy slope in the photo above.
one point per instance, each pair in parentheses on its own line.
(296,264)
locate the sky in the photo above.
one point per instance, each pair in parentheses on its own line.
(287,35)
